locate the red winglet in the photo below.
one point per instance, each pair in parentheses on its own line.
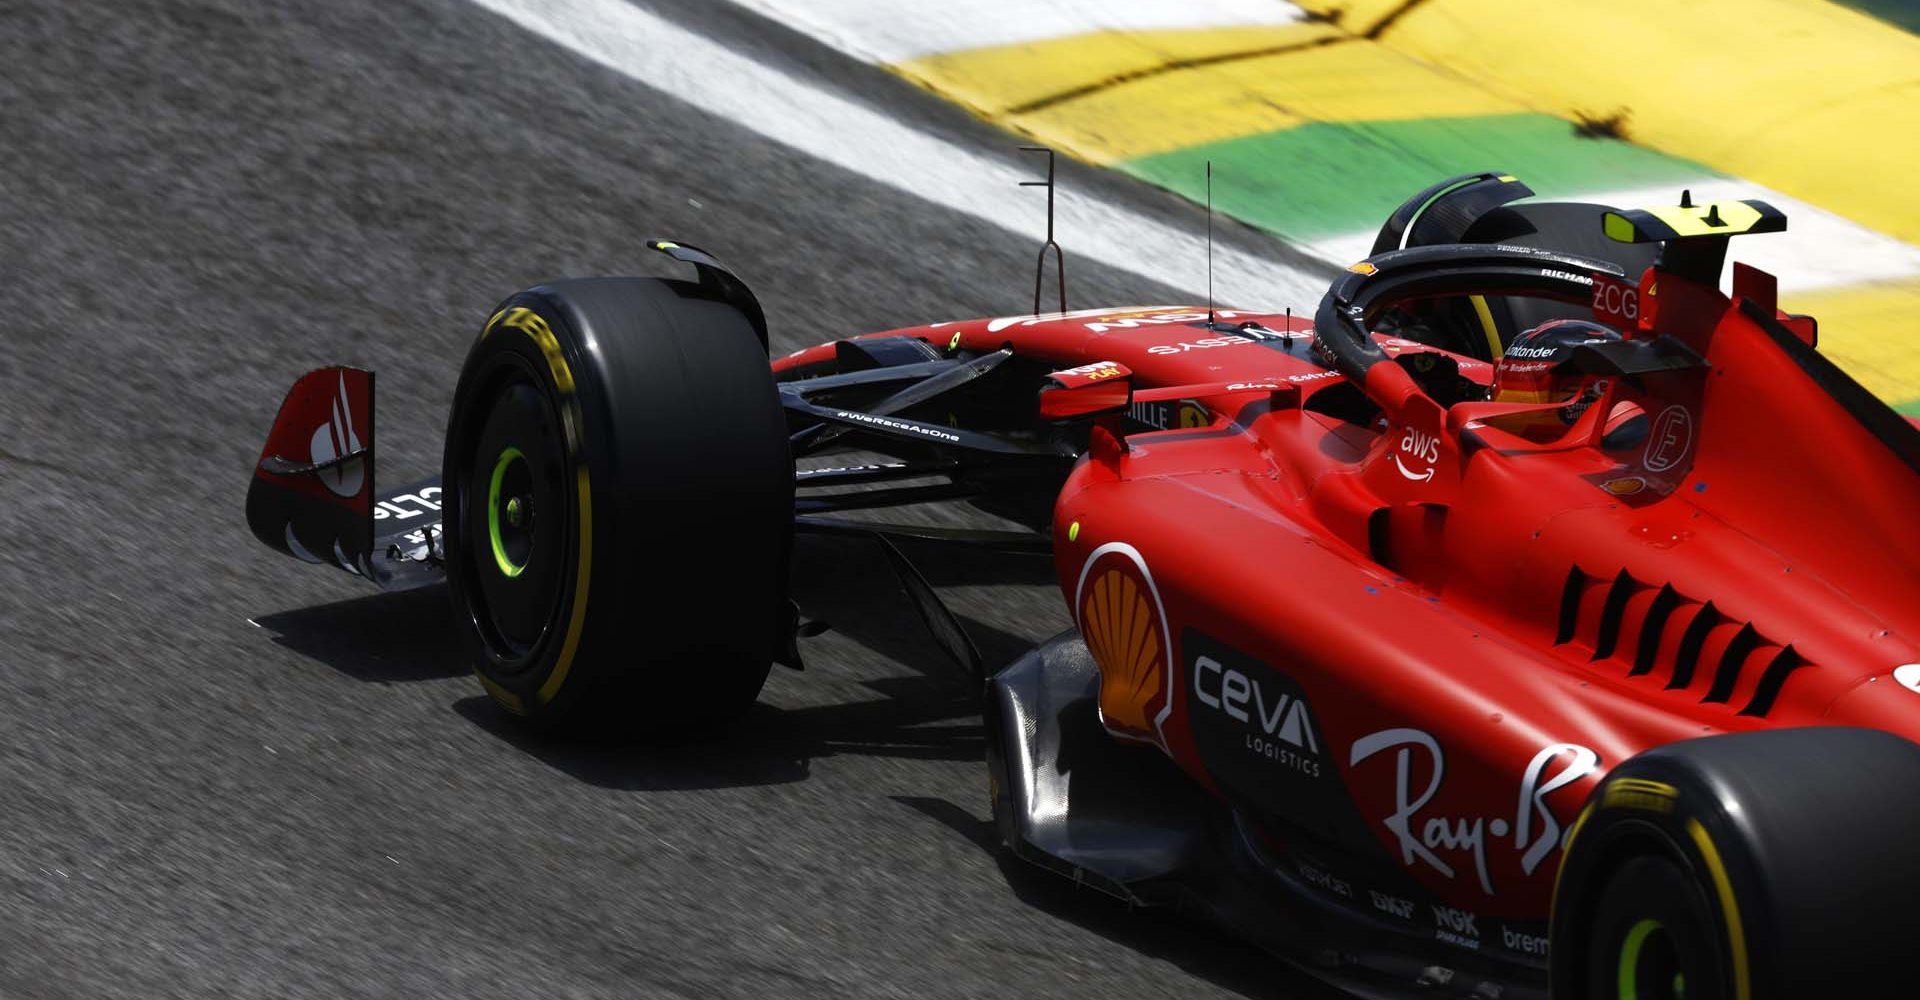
(1101,387)
(312,492)
(1099,371)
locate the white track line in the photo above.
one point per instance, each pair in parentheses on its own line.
(887,31)
(1821,250)
(855,137)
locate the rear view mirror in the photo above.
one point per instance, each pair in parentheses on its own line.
(1089,390)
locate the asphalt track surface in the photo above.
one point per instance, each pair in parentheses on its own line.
(227,774)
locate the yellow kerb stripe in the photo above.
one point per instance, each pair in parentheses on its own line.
(1099,97)
(1783,92)
(1864,329)
(993,80)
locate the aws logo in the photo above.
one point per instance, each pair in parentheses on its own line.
(1421,449)
(1125,627)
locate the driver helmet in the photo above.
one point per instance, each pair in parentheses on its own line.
(1525,373)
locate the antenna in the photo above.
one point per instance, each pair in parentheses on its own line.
(1209,244)
(1060,259)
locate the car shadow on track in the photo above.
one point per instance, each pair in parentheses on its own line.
(766,746)
(931,711)
(848,584)
(1195,946)
(380,638)
(408,636)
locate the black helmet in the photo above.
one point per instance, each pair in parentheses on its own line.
(1525,372)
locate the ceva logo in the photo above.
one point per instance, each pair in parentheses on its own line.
(1280,715)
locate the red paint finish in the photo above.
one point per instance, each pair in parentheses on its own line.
(1449,629)
(327,414)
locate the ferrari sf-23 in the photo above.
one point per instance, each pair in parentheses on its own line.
(1538,618)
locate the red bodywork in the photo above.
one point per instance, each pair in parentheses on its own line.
(1445,633)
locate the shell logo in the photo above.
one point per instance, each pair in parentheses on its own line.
(1125,628)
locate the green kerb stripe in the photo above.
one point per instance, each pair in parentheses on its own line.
(1910,409)
(1904,13)
(1323,179)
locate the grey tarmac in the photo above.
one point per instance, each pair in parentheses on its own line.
(227,774)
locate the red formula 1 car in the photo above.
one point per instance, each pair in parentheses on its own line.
(1536,619)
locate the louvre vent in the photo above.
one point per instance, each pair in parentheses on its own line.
(1651,629)
(1687,645)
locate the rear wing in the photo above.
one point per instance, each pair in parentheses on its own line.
(313,494)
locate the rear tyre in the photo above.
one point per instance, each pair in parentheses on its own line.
(619,507)
(1755,866)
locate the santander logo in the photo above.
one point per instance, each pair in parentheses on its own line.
(333,439)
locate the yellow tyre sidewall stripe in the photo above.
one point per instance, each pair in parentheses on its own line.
(1729,909)
(541,334)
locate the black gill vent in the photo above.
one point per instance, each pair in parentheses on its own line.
(1685,645)
(1651,629)
(1611,613)
(1786,662)
(1570,605)
(1737,652)
(1688,655)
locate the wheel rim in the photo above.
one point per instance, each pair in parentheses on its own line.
(516,519)
(1649,967)
(510,512)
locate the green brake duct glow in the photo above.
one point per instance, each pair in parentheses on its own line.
(507,566)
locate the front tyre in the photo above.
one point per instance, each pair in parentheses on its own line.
(619,507)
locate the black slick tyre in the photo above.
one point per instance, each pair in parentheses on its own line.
(1750,866)
(618,507)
